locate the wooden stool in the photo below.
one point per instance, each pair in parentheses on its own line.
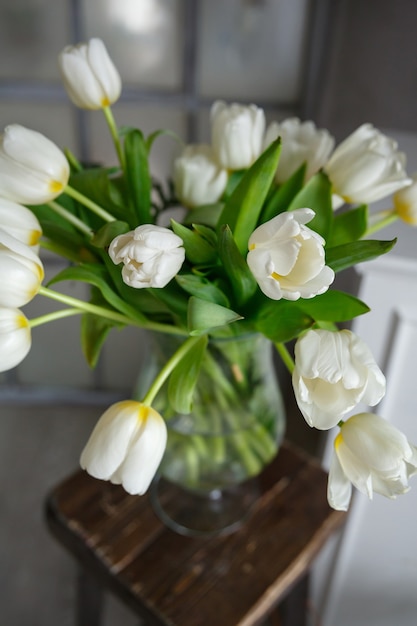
(171,580)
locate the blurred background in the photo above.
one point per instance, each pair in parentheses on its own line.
(339,63)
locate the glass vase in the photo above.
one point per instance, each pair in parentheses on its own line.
(207,479)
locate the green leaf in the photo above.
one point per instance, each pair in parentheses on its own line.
(95,183)
(138,178)
(333,306)
(281,197)
(348,226)
(94,331)
(243,208)
(208,214)
(204,316)
(316,195)
(96,275)
(282,320)
(342,257)
(241,278)
(105,235)
(202,288)
(197,249)
(183,379)
(206,233)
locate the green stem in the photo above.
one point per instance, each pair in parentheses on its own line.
(95,208)
(51,317)
(386,218)
(87,307)
(167,369)
(285,356)
(72,219)
(108,114)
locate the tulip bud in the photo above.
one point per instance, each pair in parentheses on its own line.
(237,134)
(405,202)
(15,338)
(366,167)
(333,372)
(302,143)
(374,456)
(89,75)
(198,179)
(126,446)
(33,169)
(152,256)
(287,258)
(21,272)
(20,222)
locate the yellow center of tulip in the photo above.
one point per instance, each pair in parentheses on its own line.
(34,237)
(21,322)
(55,186)
(338,441)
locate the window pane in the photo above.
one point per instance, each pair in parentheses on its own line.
(252,49)
(32,33)
(52,119)
(143,37)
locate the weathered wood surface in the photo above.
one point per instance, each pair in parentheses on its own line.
(171,580)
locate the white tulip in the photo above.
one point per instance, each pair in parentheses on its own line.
(20,222)
(15,338)
(152,256)
(302,143)
(405,202)
(236,134)
(33,169)
(334,371)
(374,456)
(126,446)
(287,258)
(21,272)
(366,167)
(89,75)
(198,179)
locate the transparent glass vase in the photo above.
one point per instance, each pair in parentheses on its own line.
(207,479)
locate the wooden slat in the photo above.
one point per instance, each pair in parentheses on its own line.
(171,580)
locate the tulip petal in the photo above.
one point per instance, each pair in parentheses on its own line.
(339,488)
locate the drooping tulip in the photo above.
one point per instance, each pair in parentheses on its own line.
(287,258)
(151,256)
(366,167)
(374,456)
(198,179)
(33,170)
(15,338)
(302,143)
(21,272)
(126,446)
(334,371)
(236,134)
(89,75)
(20,222)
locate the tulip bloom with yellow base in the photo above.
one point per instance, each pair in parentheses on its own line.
(126,446)
(374,456)
(15,338)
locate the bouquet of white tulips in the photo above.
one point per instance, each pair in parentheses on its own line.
(257,250)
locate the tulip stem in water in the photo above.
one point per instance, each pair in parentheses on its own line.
(285,356)
(95,208)
(108,114)
(167,369)
(72,219)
